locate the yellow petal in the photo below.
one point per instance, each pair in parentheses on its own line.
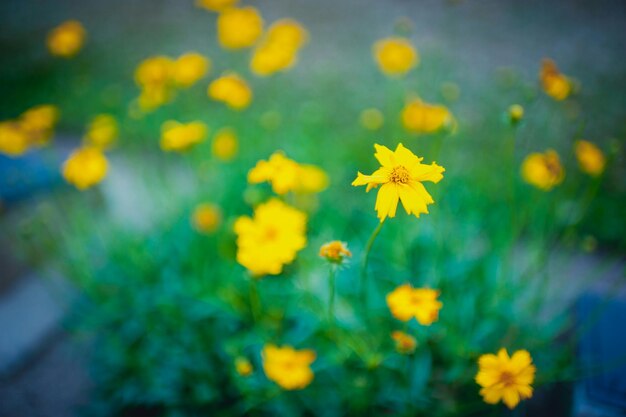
(387,201)
(384,155)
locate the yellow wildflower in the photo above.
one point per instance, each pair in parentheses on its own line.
(66,39)
(216,5)
(420,117)
(189,68)
(239,28)
(102,131)
(335,251)
(206,218)
(225,144)
(178,137)
(243,366)
(289,368)
(14,141)
(372,119)
(543,170)
(279,48)
(232,90)
(85,167)
(311,179)
(504,378)
(406,302)
(40,118)
(516,113)
(271,238)
(555,84)
(405,343)
(590,158)
(154,96)
(287,175)
(395,56)
(400,176)
(288,33)
(154,71)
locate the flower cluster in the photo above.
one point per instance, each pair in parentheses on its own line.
(31,129)
(287,175)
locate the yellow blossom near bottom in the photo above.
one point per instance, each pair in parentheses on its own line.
(406,302)
(590,158)
(543,170)
(243,366)
(504,378)
(405,343)
(206,218)
(289,368)
(85,167)
(335,251)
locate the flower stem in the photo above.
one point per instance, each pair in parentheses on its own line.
(255,300)
(331,295)
(368,248)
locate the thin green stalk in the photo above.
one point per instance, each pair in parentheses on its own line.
(331,296)
(368,248)
(255,300)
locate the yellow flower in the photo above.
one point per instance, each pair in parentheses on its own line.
(543,170)
(288,33)
(189,68)
(239,28)
(406,302)
(66,39)
(155,71)
(420,117)
(232,90)
(271,238)
(216,5)
(206,218)
(335,252)
(591,159)
(504,378)
(40,118)
(178,137)
(85,167)
(14,141)
(395,56)
(289,368)
(225,144)
(287,175)
(516,113)
(555,84)
(400,176)
(279,48)
(154,96)
(311,179)
(102,131)
(405,343)
(243,366)
(372,119)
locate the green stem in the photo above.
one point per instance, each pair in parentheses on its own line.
(368,248)
(331,296)
(255,300)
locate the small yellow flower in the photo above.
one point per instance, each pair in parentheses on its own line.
(278,50)
(189,68)
(400,176)
(395,56)
(216,5)
(289,368)
(239,28)
(66,39)
(543,170)
(85,167)
(372,119)
(287,175)
(406,302)
(154,96)
(243,366)
(102,132)
(590,158)
(405,343)
(206,218)
(335,251)
(516,113)
(271,239)
(14,141)
(225,144)
(504,378)
(232,90)
(40,118)
(420,117)
(311,179)
(154,71)
(179,137)
(288,33)
(555,84)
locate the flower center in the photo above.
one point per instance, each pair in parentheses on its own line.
(507,378)
(271,233)
(399,175)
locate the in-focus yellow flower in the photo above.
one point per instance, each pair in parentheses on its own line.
(555,84)
(287,175)
(590,158)
(66,39)
(239,28)
(406,302)
(225,144)
(102,132)
(216,5)
(85,167)
(243,366)
(372,119)
(289,368)
(271,239)
(516,113)
(232,90)
(504,378)
(335,252)
(206,218)
(543,170)
(420,117)
(395,56)
(14,141)
(176,136)
(189,68)
(405,343)
(400,176)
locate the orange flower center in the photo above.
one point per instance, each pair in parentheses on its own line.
(507,378)
(271,233)
(399,175)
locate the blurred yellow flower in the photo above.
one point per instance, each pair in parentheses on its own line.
(243,366)
(516,113)
(288,33)
(232,90)
(14,141)
(590,158)
(206,218)
(406,302)
(543,170)
(176,136)
(555,84)
(401,175)
(335,252)
(189,68)
(38,123)
(216,5)
(225,144)
(289,368)
(239,27)
(154,96)
(85,167)
(504,378)
(405,343)
(271,239)
(395,56)
(420,117)
(102,132)
(286,175)
(311,179)
(278,50)
(154,71)
(372,119)
(66,39)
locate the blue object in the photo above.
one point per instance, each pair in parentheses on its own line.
(28,174)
